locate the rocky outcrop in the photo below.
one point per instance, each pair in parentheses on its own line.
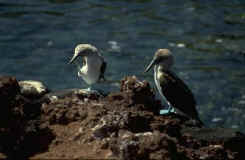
(32,89)
(121,125)
(21,130)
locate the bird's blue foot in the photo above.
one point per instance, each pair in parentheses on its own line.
(164,111)
(167,111)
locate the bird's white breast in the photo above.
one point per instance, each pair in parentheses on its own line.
(157,76)
(90,72)
(159,72)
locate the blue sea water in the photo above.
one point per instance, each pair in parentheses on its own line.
(37,39)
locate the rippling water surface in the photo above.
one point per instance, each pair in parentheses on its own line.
(207,38)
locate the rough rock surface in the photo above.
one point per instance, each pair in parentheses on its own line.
(32,89)
(122,125)
(21,130)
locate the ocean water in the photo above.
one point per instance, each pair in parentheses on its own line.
(207,38)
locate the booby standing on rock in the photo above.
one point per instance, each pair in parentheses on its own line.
(170,87)
(93,64)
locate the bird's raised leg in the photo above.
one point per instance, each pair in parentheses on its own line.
(170,108)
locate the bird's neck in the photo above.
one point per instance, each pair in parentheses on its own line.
(162,67)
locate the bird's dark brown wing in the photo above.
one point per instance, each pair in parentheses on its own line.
(102,71)
(178,94)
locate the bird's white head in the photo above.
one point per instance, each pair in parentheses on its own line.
(83,50)
(162,57)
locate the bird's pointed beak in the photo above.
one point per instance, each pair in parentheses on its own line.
(150,65)
(73,58)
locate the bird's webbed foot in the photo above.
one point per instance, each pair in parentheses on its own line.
(168,111)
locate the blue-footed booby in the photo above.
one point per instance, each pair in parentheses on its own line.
(170,87)
(92,67)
